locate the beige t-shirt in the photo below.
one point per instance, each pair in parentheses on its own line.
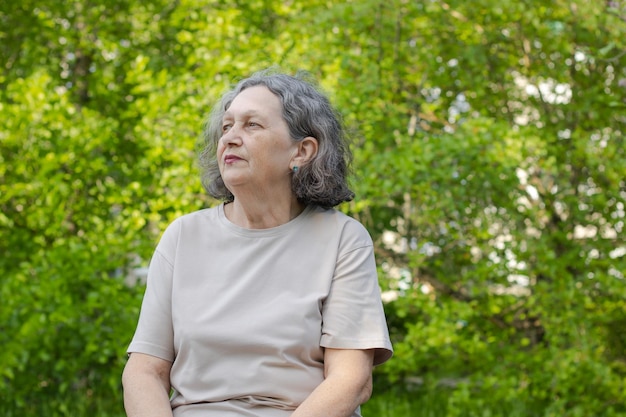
(244,314)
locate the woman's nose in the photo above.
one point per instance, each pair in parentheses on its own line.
(232,136)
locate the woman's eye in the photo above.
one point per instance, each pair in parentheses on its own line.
(253,124)
(226,127)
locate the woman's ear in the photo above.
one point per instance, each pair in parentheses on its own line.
(307,149)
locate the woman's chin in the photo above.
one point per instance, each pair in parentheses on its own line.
(235,181)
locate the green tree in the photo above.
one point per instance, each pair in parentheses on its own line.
(493,168)
(489,168)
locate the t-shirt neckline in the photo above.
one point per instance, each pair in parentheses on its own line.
(272,231)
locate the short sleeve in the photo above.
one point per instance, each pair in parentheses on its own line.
(352,314)
(154,334)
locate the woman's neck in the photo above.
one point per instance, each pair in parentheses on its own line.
(262,214)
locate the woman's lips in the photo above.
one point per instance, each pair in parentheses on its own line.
(229,159)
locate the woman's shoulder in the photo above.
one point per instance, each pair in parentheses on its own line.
(201,215)
(190,222)
(335,215)
(347,225)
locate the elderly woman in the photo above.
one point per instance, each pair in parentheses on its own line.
(268,304)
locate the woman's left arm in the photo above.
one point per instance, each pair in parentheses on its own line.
(347,384)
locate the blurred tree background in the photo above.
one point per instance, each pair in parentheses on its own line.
(489,164)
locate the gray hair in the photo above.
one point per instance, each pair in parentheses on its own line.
(307,112)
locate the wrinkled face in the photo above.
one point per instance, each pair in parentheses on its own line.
(255,149)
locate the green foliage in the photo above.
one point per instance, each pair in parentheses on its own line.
(489,165)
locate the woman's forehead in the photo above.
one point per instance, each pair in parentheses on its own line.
(258,100)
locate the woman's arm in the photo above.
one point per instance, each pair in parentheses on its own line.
(146,381)
(347,384)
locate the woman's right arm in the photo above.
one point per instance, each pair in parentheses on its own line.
(146,381)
